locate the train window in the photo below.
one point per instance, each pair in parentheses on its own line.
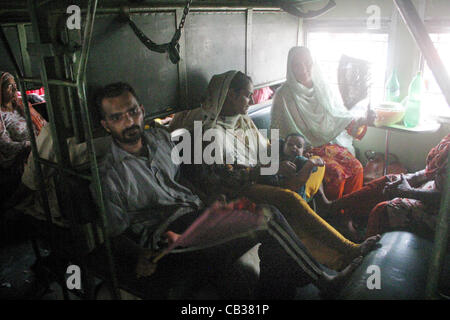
(433,96)
(372,47)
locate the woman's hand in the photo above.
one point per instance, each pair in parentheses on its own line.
(391,186)
(416,179)
(398,187)
(287,169)
(316,162)
(404,188)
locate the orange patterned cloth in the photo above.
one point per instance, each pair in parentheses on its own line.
(343,172)
(437,157)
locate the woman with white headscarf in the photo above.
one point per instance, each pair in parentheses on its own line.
(225,110)
(305,104)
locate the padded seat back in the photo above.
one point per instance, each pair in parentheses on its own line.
(402,265)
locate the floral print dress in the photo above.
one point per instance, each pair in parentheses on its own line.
(14,135)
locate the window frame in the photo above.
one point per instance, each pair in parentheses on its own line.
(435,26)
(356,25)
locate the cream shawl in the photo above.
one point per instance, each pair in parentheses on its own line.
(313,112)
(238,134)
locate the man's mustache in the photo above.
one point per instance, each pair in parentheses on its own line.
(131,129)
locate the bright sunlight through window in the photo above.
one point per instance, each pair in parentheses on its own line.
(434,101)
(327,49)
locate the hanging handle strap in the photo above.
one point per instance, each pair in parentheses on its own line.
(172,47)
(292,9)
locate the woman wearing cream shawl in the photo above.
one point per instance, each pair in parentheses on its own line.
(305,104)
(225,108)
(245,132)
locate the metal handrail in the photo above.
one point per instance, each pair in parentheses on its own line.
(61,149)
(87,122)
(423,40)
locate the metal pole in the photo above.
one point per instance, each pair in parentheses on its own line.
(81,83)
(61,152)
(55,82)
(440,241)
(423,40)
(39,176)
(10,53)
(386,152)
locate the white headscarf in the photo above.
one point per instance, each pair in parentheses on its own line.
(313,112)
(240,127)
(210,109)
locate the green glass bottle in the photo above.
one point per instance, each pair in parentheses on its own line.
(392,89)
(413,102)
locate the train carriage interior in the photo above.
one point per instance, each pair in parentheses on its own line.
(374,56)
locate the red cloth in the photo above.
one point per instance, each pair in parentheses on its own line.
(343,172)
(39,92)
(361,202)
(261,95)
(437,157)
(378,220)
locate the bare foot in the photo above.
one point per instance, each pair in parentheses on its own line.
(352,232)
(369,244)
(331,285)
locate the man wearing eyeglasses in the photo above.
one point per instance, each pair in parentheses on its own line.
(123,117)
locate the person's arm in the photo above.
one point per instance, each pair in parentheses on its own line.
(195,190)
(297,181)
(10,147)
(417,179)
(404,190)
(118,222)
(323,196)
(357,128)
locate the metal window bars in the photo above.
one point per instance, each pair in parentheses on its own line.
(63,164)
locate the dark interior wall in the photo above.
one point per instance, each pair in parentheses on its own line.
(13,38)
(273,34)
(213,41)
(117,55)
(12,34)
(34,61)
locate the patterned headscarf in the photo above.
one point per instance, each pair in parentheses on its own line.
(211,107)
(5,76)
(36,118)
(437,157)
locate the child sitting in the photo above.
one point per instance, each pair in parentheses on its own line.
(312,169)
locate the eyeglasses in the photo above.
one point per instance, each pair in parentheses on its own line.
(119,117)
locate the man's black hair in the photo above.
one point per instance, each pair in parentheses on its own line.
(295,134)
(113,90)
